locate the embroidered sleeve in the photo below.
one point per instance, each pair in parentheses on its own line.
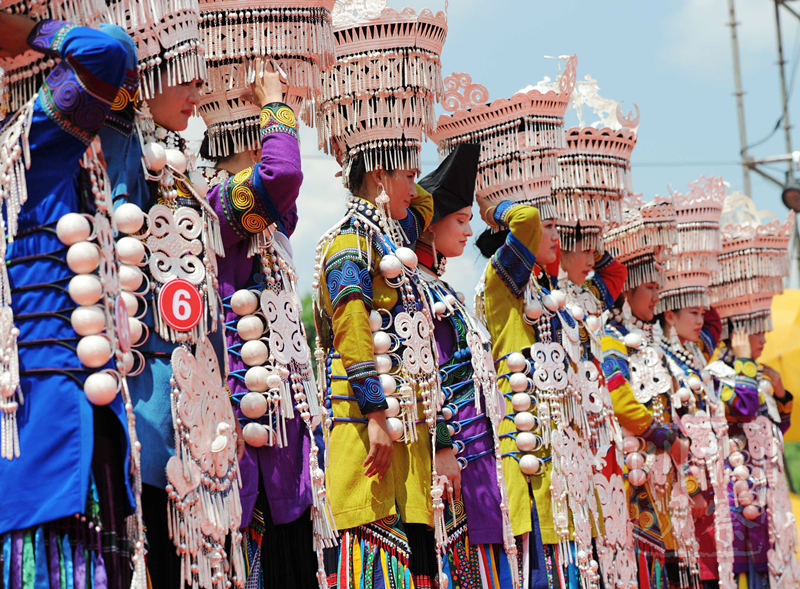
(443,438)
(246,204)
(266,193)
(78,93)
(420,214)
(349,284)
(279,172)
(608,280)
(632,414)
(513,261)
(785,405)
(741,399)
(662,436)
(277,117)
(711,333)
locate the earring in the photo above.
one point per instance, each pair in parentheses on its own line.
(382,200)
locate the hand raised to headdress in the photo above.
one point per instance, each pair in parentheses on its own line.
(269,85)
(740,344)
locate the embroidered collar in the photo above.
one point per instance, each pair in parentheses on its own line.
(429,258)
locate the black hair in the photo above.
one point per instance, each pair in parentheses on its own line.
(205,148)
(662,320)
(356,173)
(490,241)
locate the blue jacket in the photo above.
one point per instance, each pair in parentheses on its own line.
(50,479)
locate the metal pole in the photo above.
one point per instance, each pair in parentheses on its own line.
(737,78)
(784,99)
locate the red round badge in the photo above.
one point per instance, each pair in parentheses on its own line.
(180,304)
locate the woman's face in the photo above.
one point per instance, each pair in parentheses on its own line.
(687,322)
(642,300)
(400,187)
(577,264)
(548,247)
(172,107)
(757,343)
(451,233)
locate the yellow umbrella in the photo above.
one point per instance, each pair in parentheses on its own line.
(782,350)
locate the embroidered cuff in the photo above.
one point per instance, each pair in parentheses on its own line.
(692,486)
(123,109)
(443,438)
(786,399)
(746,367)
(514,263)
(662,436)
(366,387)
(276,117)
(48,36)
(501,211)
(243,210)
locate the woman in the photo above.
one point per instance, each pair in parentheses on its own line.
(753,263)
(375,487)
(701,401)
(283,490)
(183,414)
(481,547)
(592,280)
(64,476)
(545,437)
(641,389)
(377,351)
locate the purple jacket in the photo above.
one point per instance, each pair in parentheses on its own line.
(246,204)
(479,491)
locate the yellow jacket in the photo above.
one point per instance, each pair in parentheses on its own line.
(506,276)
(350,286)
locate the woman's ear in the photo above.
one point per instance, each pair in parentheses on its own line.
(670,317)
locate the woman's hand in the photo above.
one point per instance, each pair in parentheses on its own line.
(16,28)
(447,465)
(379,458)
(239,440)
(778,390)
(679,451)
(269,83)
(740,344)
(487,214)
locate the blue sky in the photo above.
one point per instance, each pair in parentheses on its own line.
(671,57)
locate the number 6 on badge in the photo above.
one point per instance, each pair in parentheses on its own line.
(180,304)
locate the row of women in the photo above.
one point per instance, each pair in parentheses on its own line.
(600,420)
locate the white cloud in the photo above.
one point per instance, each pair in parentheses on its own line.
(697,36)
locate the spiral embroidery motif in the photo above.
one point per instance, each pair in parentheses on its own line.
(242,209)
(278,119)
(243,199)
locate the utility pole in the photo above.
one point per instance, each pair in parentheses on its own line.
(784,98)
(737,80)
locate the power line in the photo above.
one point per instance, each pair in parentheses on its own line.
(675,164)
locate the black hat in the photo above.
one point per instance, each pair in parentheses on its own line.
(452,184)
